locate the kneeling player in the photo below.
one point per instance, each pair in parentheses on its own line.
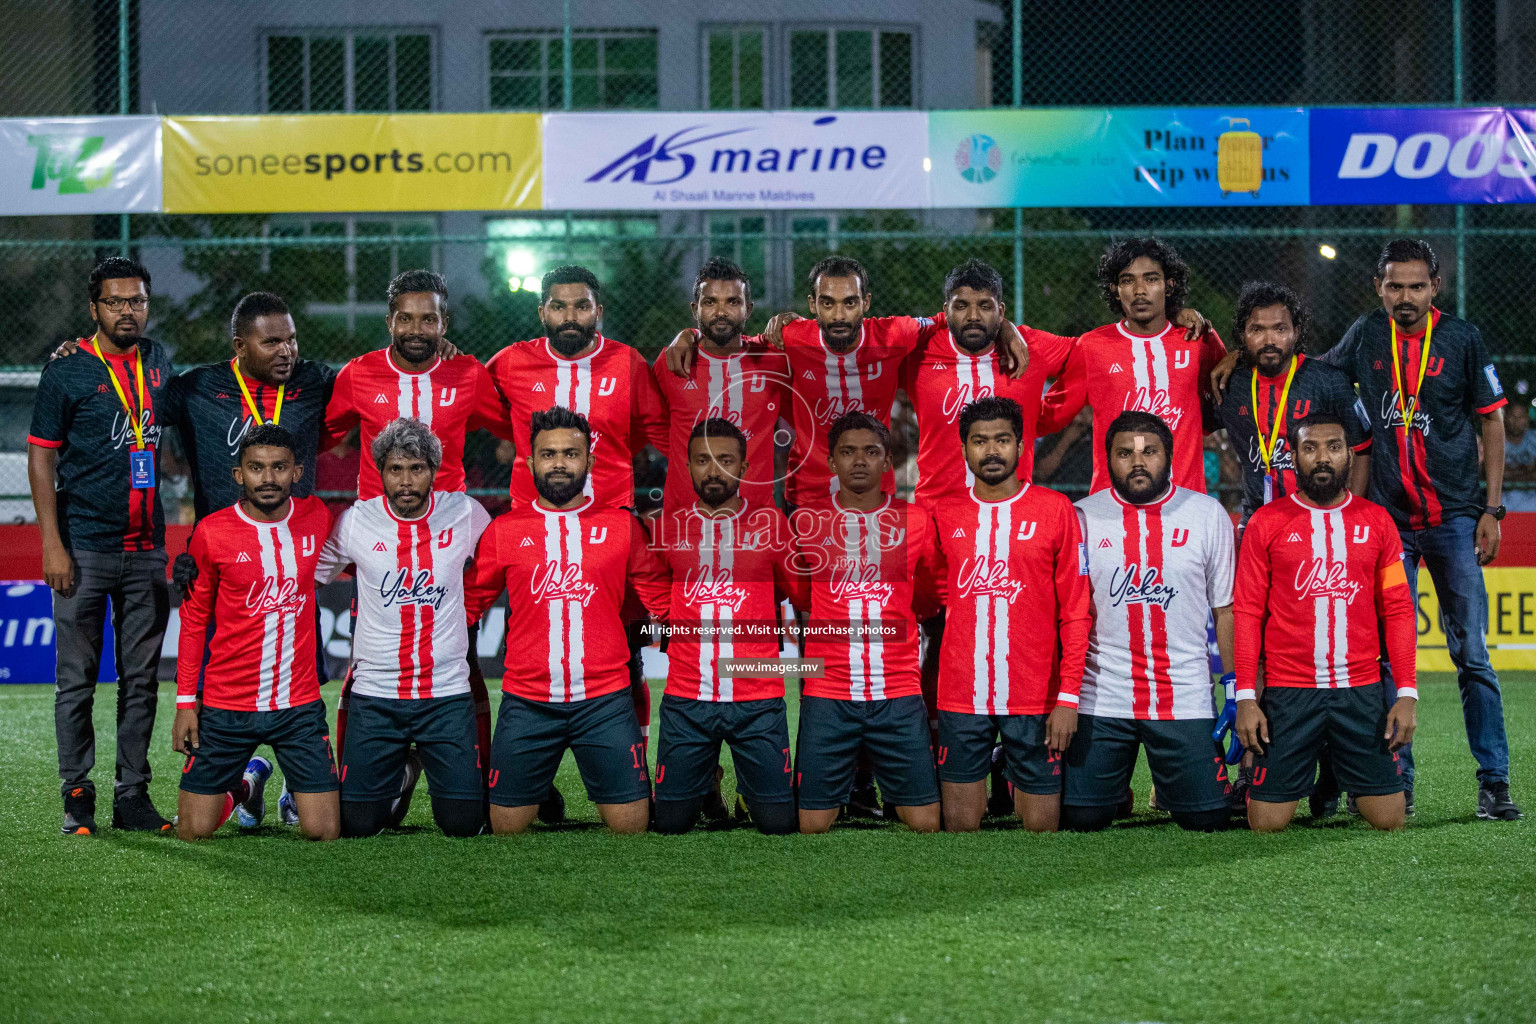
(256,578)
(1160,559)
(563,562)
(865,569)
(1017,627)
(1320,579)
(410,646)
(729,560)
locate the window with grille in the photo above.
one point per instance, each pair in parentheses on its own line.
(362,70)
(611,69)
(856,67)
(348,281)
(734,67)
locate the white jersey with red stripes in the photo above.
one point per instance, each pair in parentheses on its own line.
(411,639)
(1157,571)
(452,397)
(256,584)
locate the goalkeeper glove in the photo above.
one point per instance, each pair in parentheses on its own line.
(1225,722)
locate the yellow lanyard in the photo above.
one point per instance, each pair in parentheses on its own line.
(1405,405)
(1267,449)
(138,366)
(277,410)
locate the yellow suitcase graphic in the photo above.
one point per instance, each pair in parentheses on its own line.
(1239,159)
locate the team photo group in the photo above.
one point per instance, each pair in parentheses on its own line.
(967,644)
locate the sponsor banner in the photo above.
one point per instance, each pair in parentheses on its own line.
(352,163)
(1122,156)
(79,165)
(1376,156)
(1511,621)
(735,160)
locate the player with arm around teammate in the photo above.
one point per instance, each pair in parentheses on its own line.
(410,681)
(1160,559)
(1319,581)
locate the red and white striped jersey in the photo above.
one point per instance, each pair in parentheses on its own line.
(611,386)
(866,580)
(1157,571)
(1113,370)
(750,388)
(1315,588)
(825,385)
(565,574)
(452,397)
(728,573)
(1016,593)
(256,582)
(410,639)
(942,378)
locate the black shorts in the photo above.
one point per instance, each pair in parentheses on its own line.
(533,735)
(380,731)
(965,750)
(689,750)
(1350,721)
(894,731)
(1187,767)
(300,737)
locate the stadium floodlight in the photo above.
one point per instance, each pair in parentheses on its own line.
(520,262)
(1327,251)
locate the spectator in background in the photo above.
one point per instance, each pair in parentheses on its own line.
(336,473)
(1065,461)
(176,487)
(1519,451)
(1223,475)
(495,474)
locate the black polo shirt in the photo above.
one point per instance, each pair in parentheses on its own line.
(1428,473)
(206,406)
(1316,388)
(78,412)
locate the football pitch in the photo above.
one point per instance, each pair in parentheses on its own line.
(1327,922)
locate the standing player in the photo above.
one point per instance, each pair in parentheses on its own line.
(92,463)
(1017,631)
(256,581)
(1160,558)
(1275,383)
(604,381)
(564,560)
(729,560)
(410,378)
(410,681)
(960,362)
(865,573)
(742,380)
(1320,579)
(1141,361)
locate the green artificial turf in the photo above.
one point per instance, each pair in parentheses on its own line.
(1143,923)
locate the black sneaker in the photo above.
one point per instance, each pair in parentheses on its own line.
(1350,807)
(134,813)
(409,777)
(864,801)
(1494,804)
(552,808)
(1408,801)
(79,812)
(1324,805)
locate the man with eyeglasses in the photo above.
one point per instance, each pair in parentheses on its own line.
(93,464)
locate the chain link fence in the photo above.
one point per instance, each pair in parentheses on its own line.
(69,57)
